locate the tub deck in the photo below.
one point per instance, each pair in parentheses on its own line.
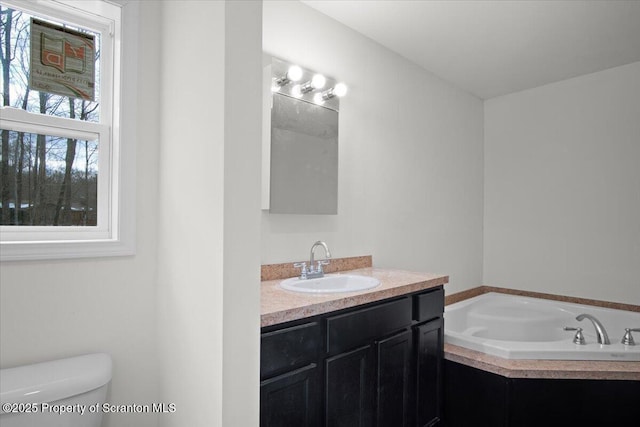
(537,368)
(549,369)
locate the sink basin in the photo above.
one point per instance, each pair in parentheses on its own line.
(330,283)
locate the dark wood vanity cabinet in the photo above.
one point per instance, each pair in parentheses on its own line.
(291,399)
(394,375)
(349,388)
(475,397)
(429,338)
(289,374)
(362,374)
(378,365)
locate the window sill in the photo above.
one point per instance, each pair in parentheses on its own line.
(23,251)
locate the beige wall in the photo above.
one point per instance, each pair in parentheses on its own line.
(411,153)
(180,319)
(190,252)
(54,309)
(242,160)
(562,187)
(208,306)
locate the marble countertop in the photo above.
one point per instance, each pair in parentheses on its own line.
(279,305)
(556,369)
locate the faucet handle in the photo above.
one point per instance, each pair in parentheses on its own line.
(319,268)
(627,339)
(578,338)
(303,269)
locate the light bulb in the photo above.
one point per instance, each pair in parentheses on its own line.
(296,91)
(294,73)
(340,89)
(318,99)
(318,81)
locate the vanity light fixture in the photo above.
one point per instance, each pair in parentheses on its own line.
(338,90)
(305,85)
(317,82)
(296,91)
(294,73)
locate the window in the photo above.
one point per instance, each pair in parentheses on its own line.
(62,188)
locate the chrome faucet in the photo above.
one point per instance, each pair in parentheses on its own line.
(601,333)
(314,271)
(627,339)
(578,337)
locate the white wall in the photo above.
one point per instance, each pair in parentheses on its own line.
(562,187)
(54,309)
(190,252)
(208,303)
(411,156)
(242,186)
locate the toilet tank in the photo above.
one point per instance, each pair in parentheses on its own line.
(66,392)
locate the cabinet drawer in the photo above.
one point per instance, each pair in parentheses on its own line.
(428,305)
(360,327)
(287,348)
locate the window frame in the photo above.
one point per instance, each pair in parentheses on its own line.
(114,234)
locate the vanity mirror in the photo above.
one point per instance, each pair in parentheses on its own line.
(301,140)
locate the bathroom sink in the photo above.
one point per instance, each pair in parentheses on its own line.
(330,283)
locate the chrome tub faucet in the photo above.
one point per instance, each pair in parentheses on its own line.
(601,333)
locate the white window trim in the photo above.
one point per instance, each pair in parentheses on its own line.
(74,242)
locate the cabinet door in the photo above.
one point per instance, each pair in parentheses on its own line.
(429,346)
(348,388)
(290,399)
(286,349)
(392,380)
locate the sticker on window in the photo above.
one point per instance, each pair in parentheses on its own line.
(62,61)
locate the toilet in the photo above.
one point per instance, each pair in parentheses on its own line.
(65,393)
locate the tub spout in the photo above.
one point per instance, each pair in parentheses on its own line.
(601,333)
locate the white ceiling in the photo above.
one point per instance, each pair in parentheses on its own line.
(492,48)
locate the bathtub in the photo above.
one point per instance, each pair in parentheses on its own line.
(515,327)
